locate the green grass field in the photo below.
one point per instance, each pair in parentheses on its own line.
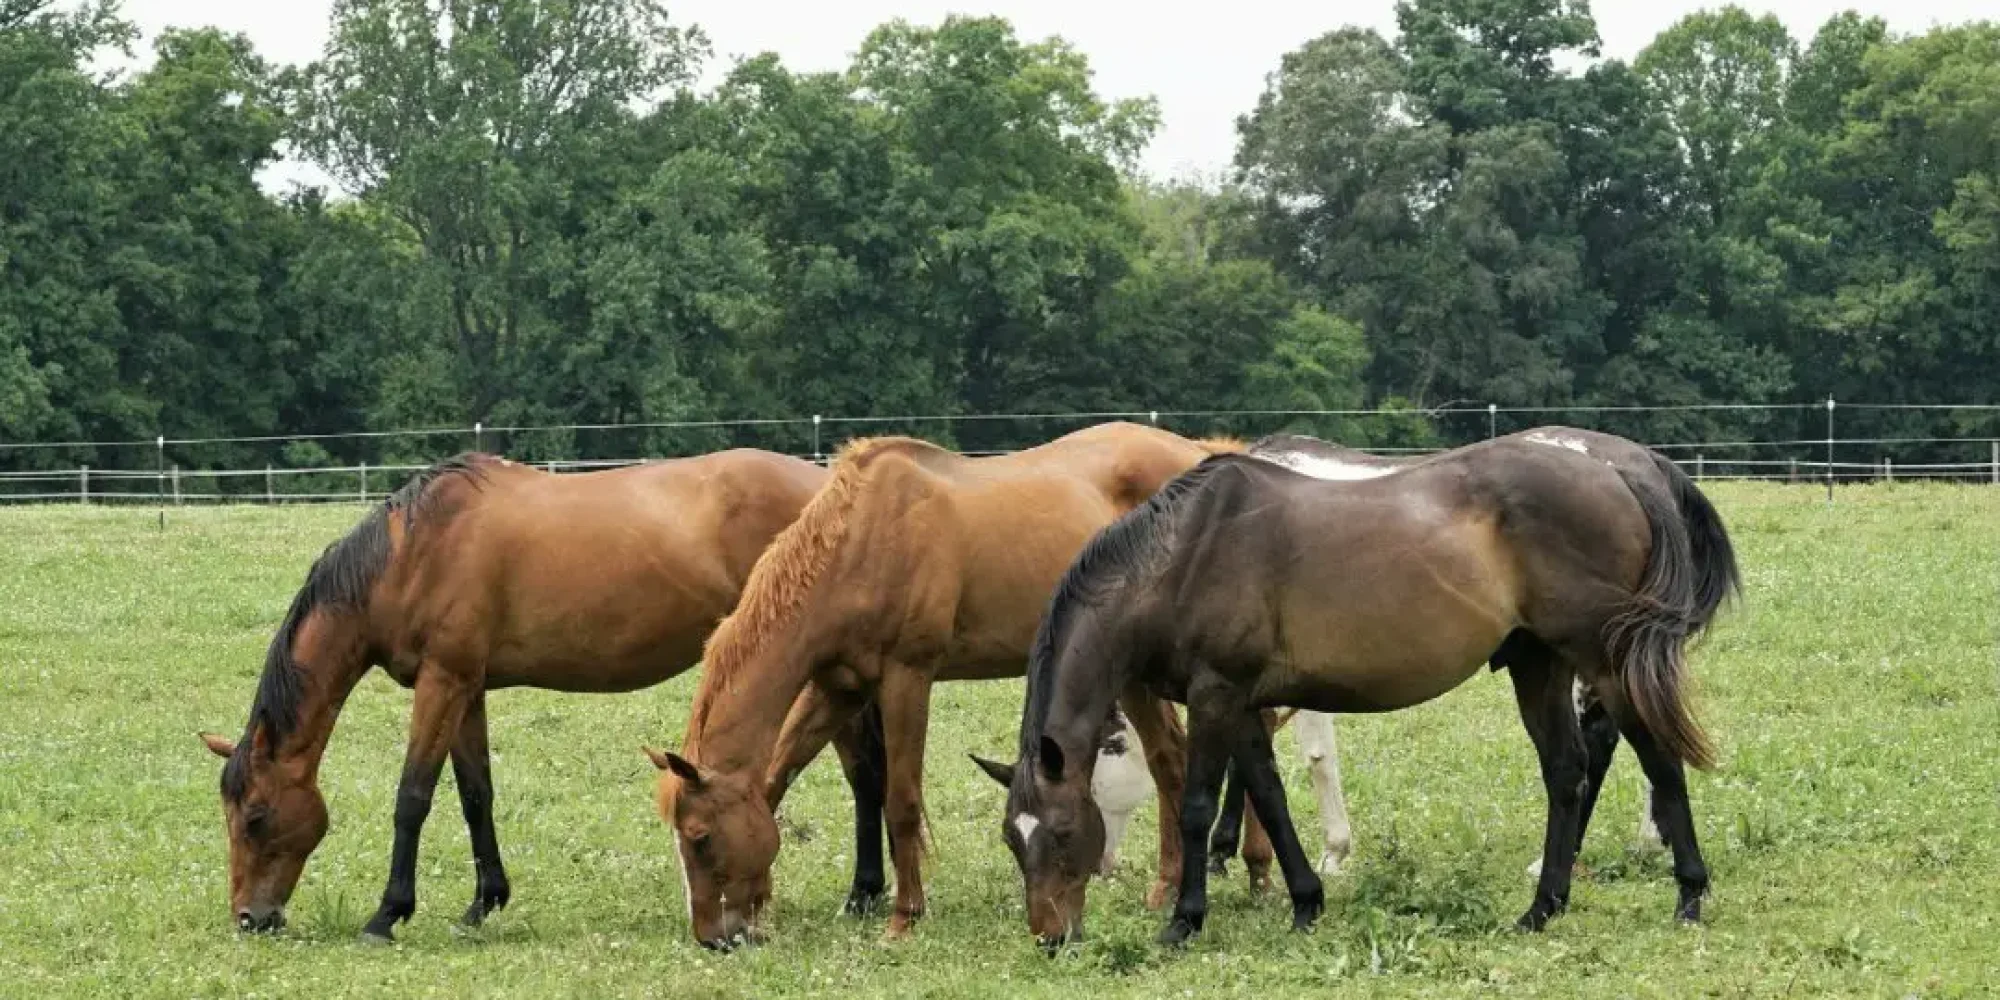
(1853,829)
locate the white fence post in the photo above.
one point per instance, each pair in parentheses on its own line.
(270,491)
(1699,467)
(176,477)
(364,482)
(1996,463)
(83,486)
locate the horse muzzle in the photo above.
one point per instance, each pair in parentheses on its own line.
(260,919)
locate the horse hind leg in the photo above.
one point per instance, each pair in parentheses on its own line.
(1166,749)
(1259,767)
(1543,695)
(1600,743)
(1316,743)
(472,772)
(1675,817)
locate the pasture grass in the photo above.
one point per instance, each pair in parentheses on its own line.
(1853,829)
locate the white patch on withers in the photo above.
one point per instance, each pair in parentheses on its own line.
(1027,824)
(687,888)
(1573,444)
(1324,468)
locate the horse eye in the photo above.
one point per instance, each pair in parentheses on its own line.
(258,823)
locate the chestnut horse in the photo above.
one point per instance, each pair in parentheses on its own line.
(478,574)
(1243,585)
(913,565)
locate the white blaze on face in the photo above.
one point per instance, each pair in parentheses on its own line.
(1026,823)
(1573,444)
(687,889)
(1325,468)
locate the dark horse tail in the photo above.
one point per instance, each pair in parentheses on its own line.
(1690,572)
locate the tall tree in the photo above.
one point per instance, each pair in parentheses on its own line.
(480,124)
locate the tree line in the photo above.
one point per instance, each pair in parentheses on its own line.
(541,221)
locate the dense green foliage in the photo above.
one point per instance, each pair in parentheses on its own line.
(540,221)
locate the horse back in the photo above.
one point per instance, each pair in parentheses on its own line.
(595,581)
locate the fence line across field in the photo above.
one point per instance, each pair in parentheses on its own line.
(169,483)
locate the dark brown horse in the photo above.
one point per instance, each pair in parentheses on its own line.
(913,565)
(1326,460)
(1244,585)
(478,574)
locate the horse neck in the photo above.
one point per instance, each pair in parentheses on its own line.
(330,654)
(1090,672)
(738,714)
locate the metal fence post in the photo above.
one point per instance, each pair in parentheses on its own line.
(1793,476)
(175,477)
(1492,420)
(479,435)
(270,490)
(83,486)
(816,453)
(1996,463)
(1829,449)
(1888,469)
(364,483)
(1699,465)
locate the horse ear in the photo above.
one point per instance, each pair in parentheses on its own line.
(1002,773)
(669,761)
(218,746)
(1052,760)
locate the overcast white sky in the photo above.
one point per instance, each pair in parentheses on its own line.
(1206,65)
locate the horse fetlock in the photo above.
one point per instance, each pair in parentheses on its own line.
(863,901)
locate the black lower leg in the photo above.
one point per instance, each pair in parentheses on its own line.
(1543,697)
(413,806)
(1212,711)
(472,772)
(475,795)
(1600,743)
(866,763)
(1228,834)
(1258,769)
(1675,818)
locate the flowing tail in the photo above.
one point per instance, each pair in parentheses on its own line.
(1690,573)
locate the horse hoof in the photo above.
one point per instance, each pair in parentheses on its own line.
(377,939)
(1260,881)
(1177,933)
(861,904)
(1218,864)
(1161,894)
(1329,864)
(1532,921)
(1689,913)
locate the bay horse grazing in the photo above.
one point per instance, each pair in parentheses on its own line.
(912,565)
(1243,585)
(480,574)
(1325,460)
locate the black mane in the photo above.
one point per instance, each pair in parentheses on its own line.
(1133,543)
(340,578)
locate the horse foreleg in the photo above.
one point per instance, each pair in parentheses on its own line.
(866,763)
(1165,746)
(1212,710)
(1258,767)
(1322,755)
(472,772)
(1224,841)
(905,699)
(1542,694)
(441,701)
(820,715)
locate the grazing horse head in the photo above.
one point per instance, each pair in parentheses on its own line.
(728,840)
(275,816)
(1056,833)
